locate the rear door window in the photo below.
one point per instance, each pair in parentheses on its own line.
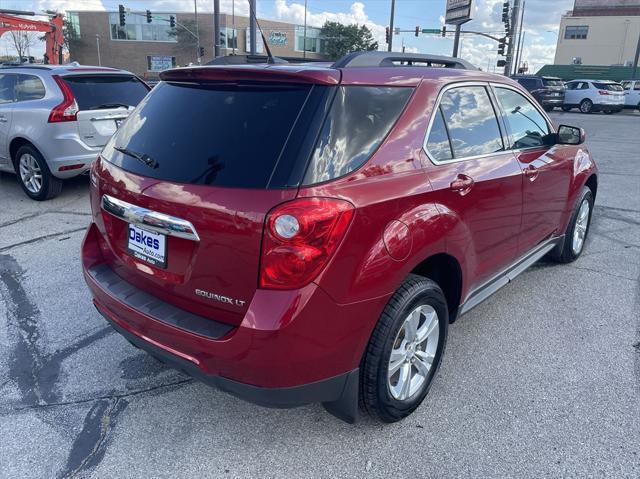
(471,122)
(359,120)
(211,134)
(94,92)
(7,91)
(527,126)
(438,144)
(29,87)
(608,86)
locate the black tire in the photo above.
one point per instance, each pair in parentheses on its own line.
(566,108)
(548,109)
(609,112)
(50,186)
(565,253)
(375,394)
(586,106)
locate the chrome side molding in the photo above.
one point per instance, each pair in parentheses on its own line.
(149,219)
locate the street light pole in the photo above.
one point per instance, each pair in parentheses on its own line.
(98,45)
(393,10)
(252,27)
(304,35)
(195,12)
(216,27)
(634,70)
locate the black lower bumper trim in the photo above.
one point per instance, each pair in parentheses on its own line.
(339,394)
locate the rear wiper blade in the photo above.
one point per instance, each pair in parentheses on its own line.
(109,105)
(144,158)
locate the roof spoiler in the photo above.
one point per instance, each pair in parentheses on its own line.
(246,60)
(395,59)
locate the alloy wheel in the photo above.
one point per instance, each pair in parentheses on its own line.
(413,353)
(581,226)
(30,173)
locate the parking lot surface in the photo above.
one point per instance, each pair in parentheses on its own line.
(541,380)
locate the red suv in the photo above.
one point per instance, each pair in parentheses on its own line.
(306,233)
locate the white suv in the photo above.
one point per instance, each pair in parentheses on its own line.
(55,119)
(632,93)
(594,95)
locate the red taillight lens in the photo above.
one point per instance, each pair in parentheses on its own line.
(603,92)
(68,109)
(299,239)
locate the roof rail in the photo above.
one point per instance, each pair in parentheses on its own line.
(393,59)
(244,60)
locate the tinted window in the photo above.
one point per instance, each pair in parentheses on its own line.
(471,120)
(626,85)
(29,87)
(548,82)
(608,86)
(359,119)
(101,91)
(637,87)
(7,83)
(571,85)
(206,134)
(528,83)
(527,126)
(438,143)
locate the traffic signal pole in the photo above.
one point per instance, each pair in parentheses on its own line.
(515,17)
(216,29)
(393,10)
(456,41)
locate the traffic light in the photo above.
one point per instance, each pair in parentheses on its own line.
(502,45)
(201,52)
(505,12)
(444,31)
(387,35)
(122,15)
(502,63)
(172,21)
(417,31)
(149,16)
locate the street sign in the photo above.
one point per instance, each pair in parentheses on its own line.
(458,12)
(431,30)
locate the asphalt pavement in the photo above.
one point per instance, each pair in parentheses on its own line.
(541,380)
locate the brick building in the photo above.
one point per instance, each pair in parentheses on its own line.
(148,48)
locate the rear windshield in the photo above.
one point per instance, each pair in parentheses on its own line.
(106,91)
(210,134)
(608,86)
(254,135)
(548,82)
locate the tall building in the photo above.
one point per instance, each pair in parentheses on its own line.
(599,32)
(146,48)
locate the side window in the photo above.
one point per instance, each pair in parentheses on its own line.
(570,86)
(528,83)
(637,87)
(471,121)
(29,87)
(584,86)
(526,124)
(7,82)
(626,85)
(438,143)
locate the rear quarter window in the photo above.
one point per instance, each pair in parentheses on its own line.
(359,120)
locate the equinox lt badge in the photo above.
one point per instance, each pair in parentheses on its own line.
(219,298)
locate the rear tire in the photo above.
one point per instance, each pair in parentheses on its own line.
(586,106)
(548,109)
(409,339)
(566,108)
(34,175)
(575,237)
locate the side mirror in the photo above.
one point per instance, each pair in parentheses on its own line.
(571,135)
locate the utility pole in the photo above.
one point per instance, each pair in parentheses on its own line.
(304,35)
(195,12)
(515,16)
(456,41)
(393,12)
(634,70)
(216,28)
(520,38)
(252,27)
(98,45)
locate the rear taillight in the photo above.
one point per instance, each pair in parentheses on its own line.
(68,109)
(603,92)
(299,239)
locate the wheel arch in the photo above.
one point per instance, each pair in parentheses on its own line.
(446,271)
(16,143)
(592,184)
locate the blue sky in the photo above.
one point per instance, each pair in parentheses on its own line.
(541,20)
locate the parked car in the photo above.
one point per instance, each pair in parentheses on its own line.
(307,234)
(632,93)
(549,91)
(55,119)
(594,95)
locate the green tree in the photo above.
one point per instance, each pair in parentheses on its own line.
(186,41)
(342,39)
(70,36)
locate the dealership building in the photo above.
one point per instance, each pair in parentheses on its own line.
(146,48)
(599,32)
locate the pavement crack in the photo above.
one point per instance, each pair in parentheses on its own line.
(41,238)
(602,272)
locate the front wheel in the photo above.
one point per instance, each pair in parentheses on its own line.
(578,229)
(586,106)
(405,350)
(34,175)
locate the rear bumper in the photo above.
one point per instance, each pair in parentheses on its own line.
(291,348)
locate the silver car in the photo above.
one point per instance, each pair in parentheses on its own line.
(55,119)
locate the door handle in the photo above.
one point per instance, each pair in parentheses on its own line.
(462,184)
(3,119)
(531,172)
